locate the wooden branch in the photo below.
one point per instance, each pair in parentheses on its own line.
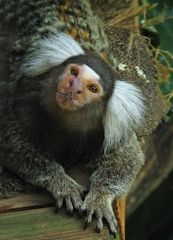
(43,224)
(26,201)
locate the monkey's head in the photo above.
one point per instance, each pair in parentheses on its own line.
(83,83)
(84,89)
(80,85)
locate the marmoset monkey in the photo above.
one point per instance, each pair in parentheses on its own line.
(61,105)
(67,106)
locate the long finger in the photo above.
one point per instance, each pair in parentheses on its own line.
(88,219)
(76,200)
(69,204)
(59,203)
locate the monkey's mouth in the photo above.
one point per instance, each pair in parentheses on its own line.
(67,101)
(63,96)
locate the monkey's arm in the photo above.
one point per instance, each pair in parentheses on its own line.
(112,179)
(34,168)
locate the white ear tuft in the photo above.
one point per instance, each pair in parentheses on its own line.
(51,51)
(124,114)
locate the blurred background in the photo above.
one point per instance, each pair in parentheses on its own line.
(153,219)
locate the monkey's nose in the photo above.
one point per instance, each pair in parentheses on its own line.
(75,85)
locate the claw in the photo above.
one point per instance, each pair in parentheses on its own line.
(90,215)
(81,212)
(97,229)
(88,218)
(112,228)
(86,224)
(56,209)
(113,234)
(99,226)
(111,221)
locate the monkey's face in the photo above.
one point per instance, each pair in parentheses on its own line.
(78,86)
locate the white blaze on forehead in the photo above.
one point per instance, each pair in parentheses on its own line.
(89,73)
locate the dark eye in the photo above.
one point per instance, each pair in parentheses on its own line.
(93,88)
(74,71)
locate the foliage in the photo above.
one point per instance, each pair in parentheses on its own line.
(159,19)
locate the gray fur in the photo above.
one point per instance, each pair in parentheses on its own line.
(113,177)
(121,166)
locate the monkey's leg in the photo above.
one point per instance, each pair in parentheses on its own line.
(30,165)
(112,179)
(11,185)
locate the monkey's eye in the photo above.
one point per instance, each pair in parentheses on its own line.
(93,88)
(74,71)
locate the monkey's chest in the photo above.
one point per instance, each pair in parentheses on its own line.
(78,149)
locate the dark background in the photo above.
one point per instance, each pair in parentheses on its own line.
(153,220)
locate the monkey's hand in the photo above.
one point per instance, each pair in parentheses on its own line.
(65,189)
(111,179)
(100,203)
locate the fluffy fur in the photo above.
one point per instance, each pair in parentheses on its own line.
(125,109)
(124,114)
(51,52)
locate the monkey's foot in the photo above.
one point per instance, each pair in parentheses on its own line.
(66,190)
(100,204)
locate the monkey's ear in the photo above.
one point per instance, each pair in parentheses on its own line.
(124,114)
(50,52)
